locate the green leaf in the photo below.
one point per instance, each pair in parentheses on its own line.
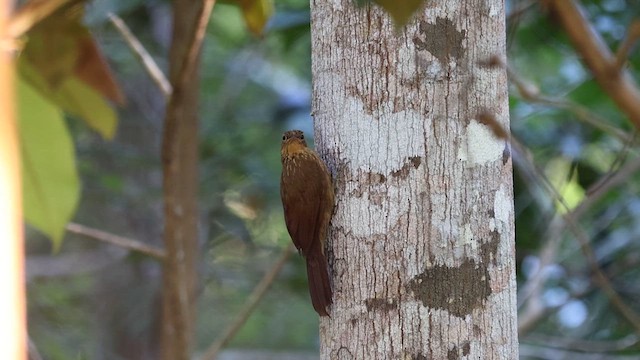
(75,97)
(51,187)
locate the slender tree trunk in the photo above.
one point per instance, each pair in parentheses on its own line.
(180,167)
(422,240)
(12,303)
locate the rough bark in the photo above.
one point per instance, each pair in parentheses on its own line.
(422,240)
(180,180)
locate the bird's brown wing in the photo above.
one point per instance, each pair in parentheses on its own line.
(302,189)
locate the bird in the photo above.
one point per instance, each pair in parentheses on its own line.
(308,200)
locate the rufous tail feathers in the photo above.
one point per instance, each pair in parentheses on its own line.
(319,285)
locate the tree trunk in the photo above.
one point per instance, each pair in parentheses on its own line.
(180,185)
(422,240)
(12,304)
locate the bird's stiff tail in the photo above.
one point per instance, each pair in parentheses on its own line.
(319,285)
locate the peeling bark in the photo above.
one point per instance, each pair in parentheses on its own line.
(422,241)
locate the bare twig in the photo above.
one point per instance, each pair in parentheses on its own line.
(32,13)
(618,83)
(188,65)
(142,54)
(629,41)
(72,263)
(130,244)
(585,345)
(528,351)
(531,93)
(530,290)
(615,165)
(520,8)
(254,299)
(538,310)
(609,181)
(601,279)
(583,239)
(32,350)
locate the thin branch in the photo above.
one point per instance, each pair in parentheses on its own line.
(618,83)
(188,65)
(587,346)
(528,351)
(142,54)
(601,279)
(583,239)
(608,182)
(31,13)
(627,44)
(620,158)
(532,94)
(249,306)
(528,318)
(520,8)
(130,244)
(32,350)
(532,287)
(529,292)
(570,217)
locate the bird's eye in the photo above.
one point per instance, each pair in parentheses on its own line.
(284,137)
(302,136)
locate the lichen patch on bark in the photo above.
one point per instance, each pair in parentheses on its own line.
(506,154)
(489,249)
(458,290)
(442,40)
(457,352)
(377,304)
(419,356)
(403,172)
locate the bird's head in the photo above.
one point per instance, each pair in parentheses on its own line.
(292,142)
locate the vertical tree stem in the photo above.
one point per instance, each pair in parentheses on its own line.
(180,168)
(12,301)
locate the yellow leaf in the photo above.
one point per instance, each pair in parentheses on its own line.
(256,14)
(558,171)
(401,10)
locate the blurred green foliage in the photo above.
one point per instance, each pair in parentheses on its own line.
(252,90)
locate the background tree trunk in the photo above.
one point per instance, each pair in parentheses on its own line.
(12,305)
(422,240)
(180,184)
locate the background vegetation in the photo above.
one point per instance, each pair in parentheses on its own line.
(92,300)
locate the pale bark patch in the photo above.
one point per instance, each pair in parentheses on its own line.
(481,145)
(503,208)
